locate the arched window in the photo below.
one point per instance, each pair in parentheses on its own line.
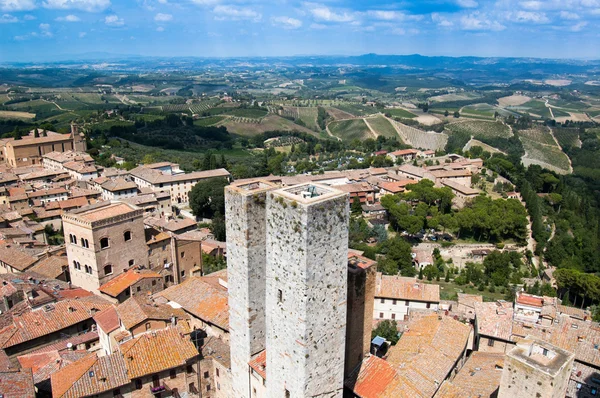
(71,238)
(108,269)
(103,243)
(85,243)
(88,269)
(127,236)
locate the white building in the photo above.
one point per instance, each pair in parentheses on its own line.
(118,189)
(396,296)
(168,177)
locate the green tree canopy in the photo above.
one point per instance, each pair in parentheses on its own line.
(208,197)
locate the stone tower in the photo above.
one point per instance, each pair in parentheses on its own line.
(362,275)
(536,369)
(307,255)
(245,207)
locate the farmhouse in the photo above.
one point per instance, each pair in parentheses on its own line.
(405,155)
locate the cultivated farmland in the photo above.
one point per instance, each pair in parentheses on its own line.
(480,128)
(382,126)
(338,114)
(399,112)
(16,115)
(421,139)
(540,148)
(350,129)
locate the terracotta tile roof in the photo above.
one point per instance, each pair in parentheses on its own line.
(118,184)
(259,363)
(155,176)
(108,210)
(218,350)
(397,287)
(574,312)
(47,192)
(417,364)
(27,140)
(16,258)
(356,260)
(469,299)
(527,299)
(403,152)
(89,376)
(72,203)
(35,324)
(494,319)
(479,377)
(44,364)
(52,266)
(460,187)
(171,225)
(206,301)
(117,285)
(107,319)
(18,384)
(74,293)
(138,309)
(373,379)
(157,351)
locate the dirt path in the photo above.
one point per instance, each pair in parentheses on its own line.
(370,128)
(329,133)
(55,104)
(550,109)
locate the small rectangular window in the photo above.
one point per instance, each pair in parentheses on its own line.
(182,254)
(406,303)
(279,296)
(217,372)
(394,302)
(393,316)
(173,373)
(382,301)
(490,343)
(206,375)
(381,315)
(428,305)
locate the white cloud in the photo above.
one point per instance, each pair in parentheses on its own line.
(28,17)
(532,5)
(441,21)
(17,5)
(569,15)
(7,18)
(323,13)
(45,30)
(467,3)
(232,13)
(114,20)
(69,18)
(84,5)
(286,22)
(82,34)
(160,29)
(578,27)
(206,2)
(479,21)
(528,17)
(163,17)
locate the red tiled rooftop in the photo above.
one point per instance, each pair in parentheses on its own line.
(526,299)
(117,285)
(259,364)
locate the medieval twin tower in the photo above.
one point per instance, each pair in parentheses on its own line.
(287,280)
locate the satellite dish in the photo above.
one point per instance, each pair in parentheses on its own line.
(69,345)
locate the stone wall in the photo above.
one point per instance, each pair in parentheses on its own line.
(307,255)
(245,207)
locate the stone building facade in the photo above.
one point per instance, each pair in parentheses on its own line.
(245,206)
(102,241)
(306,291)
(536,369)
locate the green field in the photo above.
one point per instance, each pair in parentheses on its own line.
(247,112)
(383,127)
(208,121)
(535,107)
(484,110)
(308,116)
(478,129)
(350,129)
(398,112)
(567,137)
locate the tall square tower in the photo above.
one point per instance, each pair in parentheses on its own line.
(306,290)
(103,240)
(245,210)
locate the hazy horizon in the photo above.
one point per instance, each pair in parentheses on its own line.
(39,30)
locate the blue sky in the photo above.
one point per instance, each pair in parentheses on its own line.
(42,29)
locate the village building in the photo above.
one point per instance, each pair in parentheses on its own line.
(462,193)
(29,150)
(118,189)
(479,377)
(431,350)
(17,383)
(493,326)
(406,155)
(168,177)
(396,297)
(141,314)
(102,241)
(131,283)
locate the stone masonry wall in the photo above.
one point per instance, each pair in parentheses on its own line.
(307,255)
(246,253)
